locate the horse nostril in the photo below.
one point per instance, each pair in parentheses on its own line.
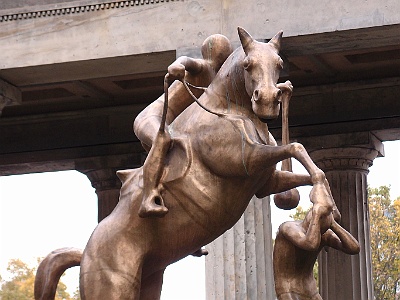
(256,94)
(278,93)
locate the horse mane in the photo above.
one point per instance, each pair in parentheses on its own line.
(228,84)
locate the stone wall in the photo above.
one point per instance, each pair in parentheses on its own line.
(86,31)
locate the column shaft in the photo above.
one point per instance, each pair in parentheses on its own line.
(344,276)
(239,264)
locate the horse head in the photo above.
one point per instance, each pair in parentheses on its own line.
(262,65)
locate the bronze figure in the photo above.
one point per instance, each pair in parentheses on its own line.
(298,244)
(212,158)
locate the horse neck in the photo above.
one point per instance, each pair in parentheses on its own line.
(227,92)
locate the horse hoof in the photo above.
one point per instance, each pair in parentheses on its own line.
(200,252)
(287,200)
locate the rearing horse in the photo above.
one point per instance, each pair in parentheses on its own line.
(217,162)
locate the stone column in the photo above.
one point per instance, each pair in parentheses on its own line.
(107,186)
(239,263)
(343,276)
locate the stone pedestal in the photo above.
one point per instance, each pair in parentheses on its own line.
(343,276)
(107,186)
(239,264)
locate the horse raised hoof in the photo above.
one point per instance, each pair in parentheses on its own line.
(287,200)
(200,252)
(153,207)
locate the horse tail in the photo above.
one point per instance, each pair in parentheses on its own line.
(50,270)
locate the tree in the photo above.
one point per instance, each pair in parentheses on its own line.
(300,214)
(385,242)
(77,295)
(20,285)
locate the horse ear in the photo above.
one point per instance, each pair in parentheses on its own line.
(276,40)
(245,38)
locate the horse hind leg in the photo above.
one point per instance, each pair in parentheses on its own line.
(151,286)
(110,284)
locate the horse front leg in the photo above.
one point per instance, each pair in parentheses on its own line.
(282,181)
(263,155)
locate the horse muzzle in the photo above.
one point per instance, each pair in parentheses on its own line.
(266,105)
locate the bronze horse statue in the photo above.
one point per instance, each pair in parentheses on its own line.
(219,159)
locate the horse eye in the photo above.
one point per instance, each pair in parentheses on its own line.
(280,64)
(246,63)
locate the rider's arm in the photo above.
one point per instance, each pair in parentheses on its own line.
(192,65)
(176,71)
(339,238)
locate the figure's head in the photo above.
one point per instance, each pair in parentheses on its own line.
(262,65)
(216,48)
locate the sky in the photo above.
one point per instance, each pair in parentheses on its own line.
(42,212)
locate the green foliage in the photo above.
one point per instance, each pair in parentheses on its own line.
(385,242)
(77,295)
(20,285)
(300,214)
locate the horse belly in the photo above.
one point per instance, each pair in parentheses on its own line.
(203,205)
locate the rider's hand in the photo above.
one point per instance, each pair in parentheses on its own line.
(176,72)
(286,88)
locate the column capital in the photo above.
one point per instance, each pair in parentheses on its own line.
(107,186)
(103,179)
(347,152)
(351,158)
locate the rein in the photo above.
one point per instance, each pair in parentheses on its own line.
(185,84)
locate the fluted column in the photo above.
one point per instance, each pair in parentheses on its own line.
(239,264)
(343,276)
(107,186)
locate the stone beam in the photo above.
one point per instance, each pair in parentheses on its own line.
(344,108)
(55,141)
(118,156)
(329,110)
(88,69)
(9,95)
(68,130)
(78,31)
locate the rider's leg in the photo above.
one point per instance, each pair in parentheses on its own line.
(147,123)
(157,143)
(179,99)
(153,204)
